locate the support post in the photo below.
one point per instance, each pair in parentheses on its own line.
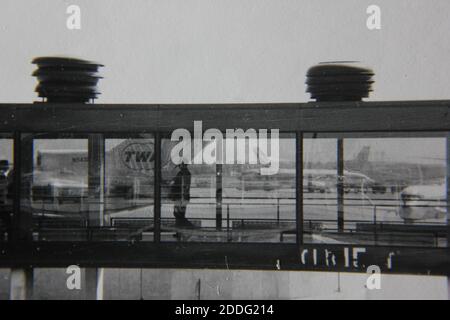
(157,189)
(340,184)
(21,284)
(20,232)
(96,188)
(299,185)
(96,179)
(447,186)
(23,173)
(219,196)
(448,288)
(93,279)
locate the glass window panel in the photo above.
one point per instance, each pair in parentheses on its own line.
(396,188)
(129,186)
(188,196)
(230,200)
(118,206)
(319,188)
(259,206)
(393,190)
(55,188)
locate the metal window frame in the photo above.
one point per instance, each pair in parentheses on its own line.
(298,118)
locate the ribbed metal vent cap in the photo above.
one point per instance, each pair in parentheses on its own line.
(339,81)
(65,79)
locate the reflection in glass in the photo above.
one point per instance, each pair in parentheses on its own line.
(394,191)
(405,198)
(55,188)
(129,186)
(105,194)
(260,207)
(188,191)
(319,187)
(233,198)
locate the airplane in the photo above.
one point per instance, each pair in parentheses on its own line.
(423,202)
(421,189)
(315,180)
(59,182)
(422,192)
(394,175)
(320,180)
(59,179)
(60,176)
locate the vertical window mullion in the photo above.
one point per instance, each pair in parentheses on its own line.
(157,189)
(299,186)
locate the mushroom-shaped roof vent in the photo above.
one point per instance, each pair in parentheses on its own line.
(339,81)
(64,79)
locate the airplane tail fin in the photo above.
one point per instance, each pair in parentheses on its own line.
(363,156)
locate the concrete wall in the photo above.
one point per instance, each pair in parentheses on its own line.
(223,284)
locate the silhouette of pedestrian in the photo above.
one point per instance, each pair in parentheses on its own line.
(180,193)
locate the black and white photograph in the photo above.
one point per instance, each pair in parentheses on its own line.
(257,150)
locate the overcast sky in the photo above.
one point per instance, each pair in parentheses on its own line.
(170,51)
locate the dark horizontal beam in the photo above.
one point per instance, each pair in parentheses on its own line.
(251,256)
(393,116)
